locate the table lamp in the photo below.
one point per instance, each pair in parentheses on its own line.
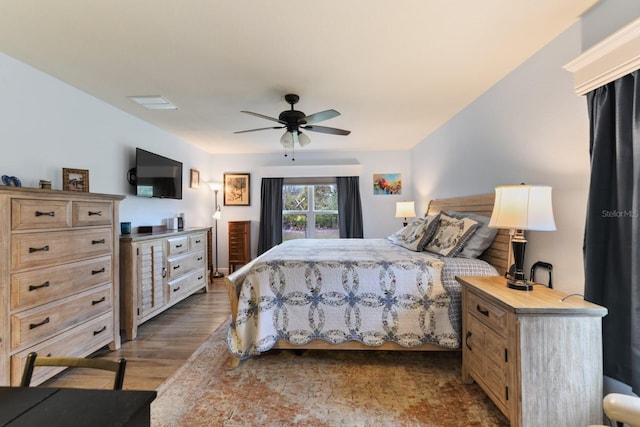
(519,208)
(405,210)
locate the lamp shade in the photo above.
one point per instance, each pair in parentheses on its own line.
(523,207)
(217,215)
(215,186)
(405,210)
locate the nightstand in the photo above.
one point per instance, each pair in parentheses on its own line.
(537,354)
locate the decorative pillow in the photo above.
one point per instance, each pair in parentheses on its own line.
(480,240)
(416,234)
(451,235)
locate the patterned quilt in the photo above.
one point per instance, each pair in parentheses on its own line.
(337,290)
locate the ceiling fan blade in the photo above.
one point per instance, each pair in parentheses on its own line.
(324,129)
(262,116)
(253,130)
(318,117)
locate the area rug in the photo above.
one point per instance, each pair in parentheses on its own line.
(321,388)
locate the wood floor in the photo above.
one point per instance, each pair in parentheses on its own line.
(163,344)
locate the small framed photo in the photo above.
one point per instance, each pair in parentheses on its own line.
(236,189)
(75,180)
(195,179)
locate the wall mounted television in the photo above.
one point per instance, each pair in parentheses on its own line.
(157,176)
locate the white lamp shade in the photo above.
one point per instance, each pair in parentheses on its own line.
(405,210)
(523,207)
(287,140)
(217,215)
(303,139)
(215,186)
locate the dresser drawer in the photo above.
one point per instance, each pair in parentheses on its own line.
(77,342)
(177,245)
(29,214)
(179,265)
(40,249)
(197,242)
(91,213)
(49,284)
(185,285)
(42,322)
(488,313)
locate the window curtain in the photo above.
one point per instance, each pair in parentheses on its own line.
(270,233)
(349,207)
(612,231)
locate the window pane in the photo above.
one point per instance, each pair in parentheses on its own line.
(295,197)
(325,197)
(294,226)
(327,226)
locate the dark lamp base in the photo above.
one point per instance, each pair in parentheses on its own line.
(521,285)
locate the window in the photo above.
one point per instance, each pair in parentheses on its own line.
(310,211)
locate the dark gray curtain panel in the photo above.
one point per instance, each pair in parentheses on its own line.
(612,232)
(270,233)
(349,207)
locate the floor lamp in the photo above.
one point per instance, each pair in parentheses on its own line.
(215,186)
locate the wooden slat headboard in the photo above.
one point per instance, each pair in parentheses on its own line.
(499,254)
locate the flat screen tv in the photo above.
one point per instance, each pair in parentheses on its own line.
(157,176)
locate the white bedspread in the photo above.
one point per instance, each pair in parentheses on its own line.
(336,290)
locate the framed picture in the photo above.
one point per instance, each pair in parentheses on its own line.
(195,179)
(387,183)
(236,189)
(75,180)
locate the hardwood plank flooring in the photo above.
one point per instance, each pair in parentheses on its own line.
(163,343)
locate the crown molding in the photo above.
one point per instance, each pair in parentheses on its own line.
(612,58)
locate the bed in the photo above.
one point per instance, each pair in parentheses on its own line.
(358,293)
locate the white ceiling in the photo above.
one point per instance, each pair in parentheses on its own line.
(396,70)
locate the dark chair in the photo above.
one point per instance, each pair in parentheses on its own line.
(34,360)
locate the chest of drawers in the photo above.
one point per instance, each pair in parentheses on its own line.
(239,243)
(58,276)
(158,271)
(537,354)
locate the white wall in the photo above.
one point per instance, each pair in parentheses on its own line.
(46,125)
(530,127)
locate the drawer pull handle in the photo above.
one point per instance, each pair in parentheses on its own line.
(102,270)
(164,272)
(96,242)
(103,299)
(200,277)
(482,311)
(176,289)
(99,213)
(34,287)
(35,325)
(44,249)
(198,241)
(179,246)
(104,328)
(176,267)
(466,340)
(199,258)
(39,213)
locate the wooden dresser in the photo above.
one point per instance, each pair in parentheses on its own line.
(58,276)
(239,243)
(537,354)
(159,270)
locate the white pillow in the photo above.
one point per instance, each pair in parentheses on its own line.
(451,235)
(416,234)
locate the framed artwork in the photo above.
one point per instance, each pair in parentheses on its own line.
(195,179)
(75,180)
(387,183)
(236,189)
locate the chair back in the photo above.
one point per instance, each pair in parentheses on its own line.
(33,360)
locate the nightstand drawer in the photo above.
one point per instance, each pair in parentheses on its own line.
(488,313)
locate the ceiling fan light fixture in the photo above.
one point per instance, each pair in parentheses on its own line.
(287,140)
(303,139)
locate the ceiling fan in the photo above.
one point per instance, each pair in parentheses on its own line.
(294,120)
